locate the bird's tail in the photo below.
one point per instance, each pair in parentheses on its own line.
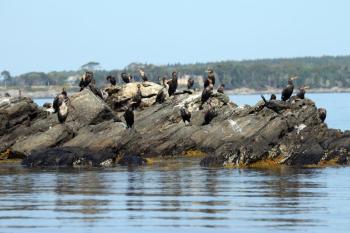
(264,99)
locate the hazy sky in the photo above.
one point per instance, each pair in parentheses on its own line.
(46,35)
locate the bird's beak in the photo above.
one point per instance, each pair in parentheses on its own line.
(294,77)
(307,87)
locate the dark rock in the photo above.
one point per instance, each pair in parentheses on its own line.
(289,133)
(68,157)
(55,136)
(18,118)
(132,160)
(25,127)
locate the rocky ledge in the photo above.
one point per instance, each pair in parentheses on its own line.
(94,134)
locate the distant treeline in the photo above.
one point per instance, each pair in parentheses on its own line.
(317,72)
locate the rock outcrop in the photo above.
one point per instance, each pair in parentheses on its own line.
(279,133)
(26,128)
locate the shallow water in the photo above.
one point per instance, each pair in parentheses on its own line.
(174,197)
(180,196)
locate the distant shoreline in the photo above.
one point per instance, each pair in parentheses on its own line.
(52,91)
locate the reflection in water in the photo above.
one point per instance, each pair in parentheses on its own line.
(174,198)
(78,194)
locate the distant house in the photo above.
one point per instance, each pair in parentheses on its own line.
(72,80)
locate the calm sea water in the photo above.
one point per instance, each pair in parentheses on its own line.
(180,196)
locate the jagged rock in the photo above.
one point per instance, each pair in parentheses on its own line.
(68,157)
(55,136)
(26,127)
(18,119)
(132,160)
(15,112)
(294,137)
(98,137)
(86,109)
(290,133)
(120,98)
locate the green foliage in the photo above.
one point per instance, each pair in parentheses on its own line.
(317,72)
(92,65)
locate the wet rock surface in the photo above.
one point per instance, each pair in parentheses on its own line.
(280,133)
(68,157)
(132,160)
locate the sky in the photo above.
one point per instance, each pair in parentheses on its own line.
(48,35)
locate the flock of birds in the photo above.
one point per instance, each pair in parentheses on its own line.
(62,101)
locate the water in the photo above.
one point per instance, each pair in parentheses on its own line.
(178,195)
(174,198)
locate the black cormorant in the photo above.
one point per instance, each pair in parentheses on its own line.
(126,77)
(160,98)
(185,114)
(161,93)
(94,89)
(112,80)
(190,83)
(288,90)
(143,75)
(172,84)
(129,117)
(137,98)
(60,106)
(209,115)
(273,97)
(64,92)
(86,80)
(221,89)
(322,113)
(210,77)
(47,105)
(206,94)
(302,91)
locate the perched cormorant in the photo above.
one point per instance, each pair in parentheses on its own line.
(60,106)
(209,115)
(322,113)
(172,84)
(161,93)
(302,91)
(86,80)
(129,117)
(126,77)
(273,97)
(221,89)
(112,80)
(288,91)
(47,105)
(211,77)
(64,92)
(58,99)
(137,98)
(185,114)
(164,82)
(63,112)
(206,94)
(143,75)
(160,96)
(94,89)
(274,105)
(190,83)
